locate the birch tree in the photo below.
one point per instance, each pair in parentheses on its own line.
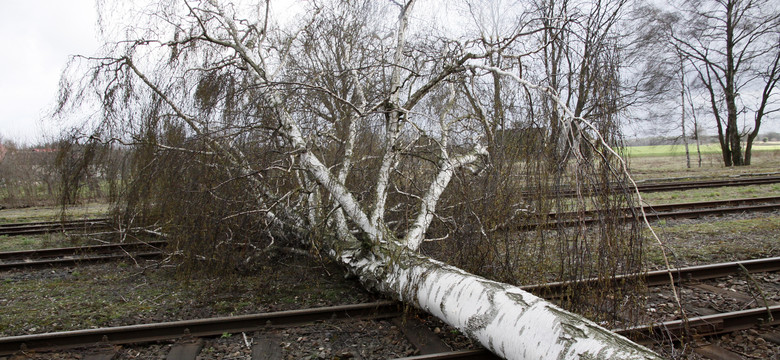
(321,121)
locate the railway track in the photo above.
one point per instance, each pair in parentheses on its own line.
(96,223)
(185,331)
(684,185)
(704,326)
(701,184)
(755,311)
(663,277)
(667,211)
(43,227)
(103,253)
(70,256)
(195,328)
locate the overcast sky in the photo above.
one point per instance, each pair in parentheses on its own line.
(38,37)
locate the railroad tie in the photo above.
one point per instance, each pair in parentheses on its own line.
(423,339)
(188,350)
(716,352)
(267,348)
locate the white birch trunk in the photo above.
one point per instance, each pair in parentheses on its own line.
(416,234)
(508,321)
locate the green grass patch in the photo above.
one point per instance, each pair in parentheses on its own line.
(717,241)
(52,240)
(669,150)
(679,150)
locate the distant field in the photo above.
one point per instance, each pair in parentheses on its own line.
(675,150)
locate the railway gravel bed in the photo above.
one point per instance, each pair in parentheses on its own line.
(727,294)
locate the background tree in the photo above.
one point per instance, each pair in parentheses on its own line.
(733,46)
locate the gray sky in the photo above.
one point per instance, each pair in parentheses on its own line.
(38,38)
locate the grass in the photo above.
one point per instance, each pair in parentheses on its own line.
(73,300)
(674,166)
(51,240)
(717,241)
(713,239)
(29,242)
(679,150)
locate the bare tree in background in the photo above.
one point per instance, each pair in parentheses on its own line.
(344,132)
(733,45)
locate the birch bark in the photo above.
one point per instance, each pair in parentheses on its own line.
(508,321)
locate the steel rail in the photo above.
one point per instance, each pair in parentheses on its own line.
(42,228)
(707,184)
(43,223)
(652,214)
(714,211)
(662,277)
(477,354)
(77,260)
(715,203)
(38,254)
(196,328)
(683,185)
(661,208)
(708,325)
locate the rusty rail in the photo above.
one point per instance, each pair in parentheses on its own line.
(662,277)
(708,325)
(684,185)
(43,227)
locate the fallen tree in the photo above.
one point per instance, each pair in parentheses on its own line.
(290,114)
